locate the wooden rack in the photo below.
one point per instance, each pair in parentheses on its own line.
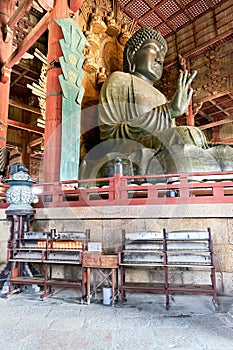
(172,253)
(141,250)
(41,251)
(190,250)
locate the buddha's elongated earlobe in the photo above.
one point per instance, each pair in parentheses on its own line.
(132,68)
(130,55)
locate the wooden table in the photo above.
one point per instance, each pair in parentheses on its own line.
(94,261)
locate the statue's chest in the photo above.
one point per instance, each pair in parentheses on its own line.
(147,97)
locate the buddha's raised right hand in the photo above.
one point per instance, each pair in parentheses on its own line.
(181,99)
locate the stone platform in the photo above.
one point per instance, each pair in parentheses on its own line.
(106,223)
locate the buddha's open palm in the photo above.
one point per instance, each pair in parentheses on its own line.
(181,99)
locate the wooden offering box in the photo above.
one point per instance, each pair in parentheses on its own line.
(96,259)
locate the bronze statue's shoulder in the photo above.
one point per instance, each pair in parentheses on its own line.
(117,79)
(118,75)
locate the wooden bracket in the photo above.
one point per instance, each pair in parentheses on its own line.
(74,5)
(7,33)
(48,5)
(5,74)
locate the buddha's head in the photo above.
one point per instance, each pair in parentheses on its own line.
(144,54)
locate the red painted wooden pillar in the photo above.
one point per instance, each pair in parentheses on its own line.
(52,142)
(189,115)
(7,8)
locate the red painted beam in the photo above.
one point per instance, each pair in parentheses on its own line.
(228,142)
(219,122)
(25,6)
(36,142)
(7,8)
(48,5)
(27,127)
(31,38)
(74,5)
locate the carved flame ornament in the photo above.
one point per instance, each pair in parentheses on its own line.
(72,46)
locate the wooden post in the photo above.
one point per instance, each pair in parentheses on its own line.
(190,116)
(25,157)
(52,141)
(53,130)
(7,8)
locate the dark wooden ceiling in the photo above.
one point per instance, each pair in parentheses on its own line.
(170,16)
(167,16)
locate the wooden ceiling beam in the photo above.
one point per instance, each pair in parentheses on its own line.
(198,50)
(23,65)
(23,7)
(22,126)
(30,39)
(21,75)
(184,9)
(219,122)
(201,113)
(24,76)
(228,141)
(149,4)
(213,97)
(164,20)
(24,106)
(36,142)
(220,108)
(18,87)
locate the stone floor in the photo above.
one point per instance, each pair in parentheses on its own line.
(61,322)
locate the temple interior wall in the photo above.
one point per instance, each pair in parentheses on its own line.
(106,223)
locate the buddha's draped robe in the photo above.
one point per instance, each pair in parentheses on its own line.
(132,109)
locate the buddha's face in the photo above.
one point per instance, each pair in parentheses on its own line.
(147,62)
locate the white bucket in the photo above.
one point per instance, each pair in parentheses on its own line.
(107,295)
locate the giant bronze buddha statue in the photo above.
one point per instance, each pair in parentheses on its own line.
(137,122)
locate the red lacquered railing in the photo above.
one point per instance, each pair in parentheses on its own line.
(192,188)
